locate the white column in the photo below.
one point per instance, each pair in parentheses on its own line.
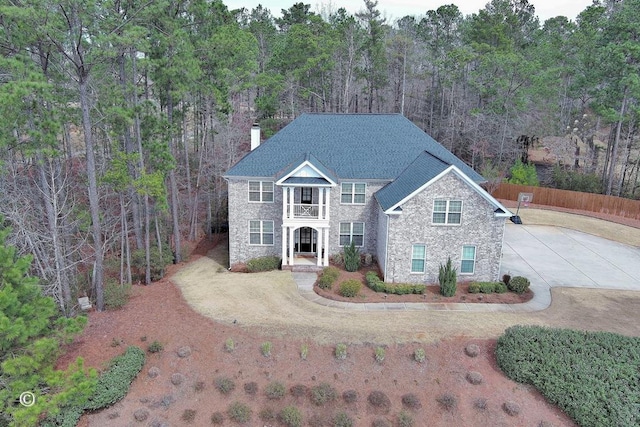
(285,213)
(320,196)
(319,243)
(326,244)
(292,200)
(328,198)
(291,245)
(285,232)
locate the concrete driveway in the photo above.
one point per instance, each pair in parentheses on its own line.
(554,256)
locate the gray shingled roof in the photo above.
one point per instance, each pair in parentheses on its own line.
(423,169)
(353,146)
(308,157)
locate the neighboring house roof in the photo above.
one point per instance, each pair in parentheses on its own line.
(351,146)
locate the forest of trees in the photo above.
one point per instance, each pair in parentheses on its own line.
(119,117)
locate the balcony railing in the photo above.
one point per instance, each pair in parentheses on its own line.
(306,211)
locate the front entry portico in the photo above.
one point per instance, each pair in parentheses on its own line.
(305,241)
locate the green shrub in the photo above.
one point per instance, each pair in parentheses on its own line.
(267,414)
(229,345)
(448,401)
(519,284)
(474,288)
(322,394)
(265,348)
(290,416)
(351,257)
(523,174)
(379,354)
(405,419)
(487,287)
(275,390)
(350,288)
(375,284)
(225,385)
(328,277)
(341,351)
(447,279)
(304,351)
(501,288)
(265,263)
(419,355)
(342,419)
(114,383)
(592,376)
(239,412)
(116,295)
(155,347)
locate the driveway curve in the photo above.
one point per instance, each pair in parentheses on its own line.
(582,282)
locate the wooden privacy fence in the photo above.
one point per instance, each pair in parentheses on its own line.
(609,205)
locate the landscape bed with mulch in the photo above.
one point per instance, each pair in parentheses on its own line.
(431,295)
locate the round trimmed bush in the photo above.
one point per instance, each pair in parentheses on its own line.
(350,288)
(519,284)
(275,390)
(323,393)
(474,377)
(472,350)
(501,288)
(290,416)
(224,385)
(239,412)
(342,420)
(474,288)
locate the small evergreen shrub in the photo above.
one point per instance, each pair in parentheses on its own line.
(419,355)
(251,388)
(217,418)
(472,350)
(304,351)
(342,419)
(225,385)
(341,351)
(114,383)
(487,287)
(501,288)
(290,416)
(474,288)
(155,347)
(322,394)
(448,401)
(350,396)
(229,345)
(380,401)
(328,277)
(188,416)
(350,288)
(299,390)
(265,263)
(239,412)
(351,257)
(379,354)
(405,419)
(447,279)
(267,414)
(265,348)
(519,284)
(116,295)
(375,284)
(275,390)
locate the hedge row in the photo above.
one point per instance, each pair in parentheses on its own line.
(374,283)
(487,287)
(328,277)
(593,376)
(265,263)
(114,384)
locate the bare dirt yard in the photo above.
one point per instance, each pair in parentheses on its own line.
(200,308)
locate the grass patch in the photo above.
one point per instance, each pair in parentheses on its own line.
(592,376)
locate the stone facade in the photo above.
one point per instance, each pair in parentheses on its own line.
(479,227)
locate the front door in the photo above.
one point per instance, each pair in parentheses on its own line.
(306,237)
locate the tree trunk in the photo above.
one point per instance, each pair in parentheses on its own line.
(616,141)
(174,190)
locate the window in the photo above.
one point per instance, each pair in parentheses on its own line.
(260,191)
(468,264)
(306,195)
(261,232)
(418,255)
(447,211)
(352,193)
(351,232)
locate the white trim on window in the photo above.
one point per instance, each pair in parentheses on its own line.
(351,231)
(468,260)
(261,233)
(446,212)
(261,191)
(353,193)
(418,258)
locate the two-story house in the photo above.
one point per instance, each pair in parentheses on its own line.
(326,180)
